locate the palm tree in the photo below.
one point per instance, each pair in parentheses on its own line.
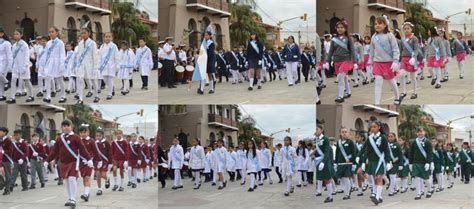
(242,24)
(416,14)
(124,17)
(81,114)
(410,119)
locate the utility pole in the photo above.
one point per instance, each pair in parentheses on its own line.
(299,37)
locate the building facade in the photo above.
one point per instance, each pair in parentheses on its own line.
(187,20)
(206,122)
(360,14)
(356,118)
(42,119)
(36,16)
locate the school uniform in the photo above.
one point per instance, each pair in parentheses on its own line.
(277,161)
(36,155)
(221,62)
(87,66)
(359,57)
(306,62)
(450,161)
(252,166)
(20,161)
(135,158)
(324,156)
(254,54)
(89,144)
(404,162)
(345,157)
(7,163)
(460,49)
(231,161)
(291,56)
(52,64)
(272,67)
(384,51)
(465,161)
(421,157)
(197,163)
(276,56)
(438,160)
(175,162)
(265,160)
(6,60)
(127,62)
(234,65)
(240,165)
(20,67)
(435,55)
(376,151)
(110,59)
(207,166)
(243,61)
(144,63)
(220,155)
(69,70)
(288,166)
(119,152)
(103,159)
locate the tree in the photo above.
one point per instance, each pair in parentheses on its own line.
(416,14)
(243,24)
(80,114)
(248,131)
(410,119)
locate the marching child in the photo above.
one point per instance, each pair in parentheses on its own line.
(86,171)
(241,163)
(197,161)
(360,177)
(120,155)
(277,161)
(6,60)
(396,157)
(87,66)
(288,164)
(36,155)
(220,154)
(465,161)
(265,162)
(323,162)
(460,49)
(254,60)
(69,70)
(403,168)
(20,67)
(435,55)
(345,156)
(450,157)
(291,56)
(359,52)
(384,58)
(439,163)
(109,62)
(175,162)
(252,163)
(368,68)
(102,162)
(230,163)
(302,163)
(144,62)
(127,62)
(420,156)
(408,65)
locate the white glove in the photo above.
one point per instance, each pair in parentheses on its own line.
(335,167)
(84,161)
(427,166)
(147,161)
(442,168)
(389,166)
(432,166)
(326,65)
(356,67)
(321,166)
(424,60)
(395,66)
(35,154)
(447,167)
(45,164)
(139,162)
(109,167)
(363,166)
(357,160)
(400,167)
(259,62)
(353,168)
(99,164)
(410,167)
(412,61)
(468,161)
(20,161)
(28,164)
(90,163)
(125,164)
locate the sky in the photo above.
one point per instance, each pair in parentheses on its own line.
(443,113)
(150,115)
(293,8)
(150,6)
(301,119)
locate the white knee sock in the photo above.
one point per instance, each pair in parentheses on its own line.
(252,180)
(340,85)
(319,186)
(394,86)
(289,183)
(72,187)
(378,89)
(13,88)
(378,195)
(330,189)
(461,68)
(438,75)
(347,84)
(393,182)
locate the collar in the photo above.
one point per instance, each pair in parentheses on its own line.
(409,36)
(422,139)
(87,138)
(377,134)
(320,137)
(120,139)
(135,143)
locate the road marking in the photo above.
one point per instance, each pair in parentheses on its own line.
(48,198)
(390,204)
(214,195)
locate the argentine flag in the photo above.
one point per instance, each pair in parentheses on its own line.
(201,64)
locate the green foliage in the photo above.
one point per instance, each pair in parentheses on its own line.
(411,116)
(247,131)
(242,24)
(416,15)
(80,114)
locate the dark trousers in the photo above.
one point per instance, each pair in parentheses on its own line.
(305,72)
(22,169)
(277,169)
(223,72)
(299,74)
(310,177)
(272,75)
(238,174)
(161,176)
(466,172)
(7,167)
(168,67)
(144,81)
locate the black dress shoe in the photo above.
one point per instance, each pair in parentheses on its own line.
(438,86)
(53,94)
(328,199)
(85,197)
(62,100)
(89,94)
(96,99)
(250,88)
(47,100)
(339,100)
(200,92)
(79,102)
(2,98)
(11,101)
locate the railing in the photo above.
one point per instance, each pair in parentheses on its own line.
(391,3)
(222,120)
(216,4)
(104,4)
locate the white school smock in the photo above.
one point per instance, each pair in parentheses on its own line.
(176,157)
(265,158)
(277,158)
(20,68)
(144,61)
(89,67)
(252,163)
(240,164)
(302,162)
(111,65)
(288,161)
(197,158)
(69,64)
(52,59)
(207,163)
(220,156)
(231,161)
(6,57)
(127,61)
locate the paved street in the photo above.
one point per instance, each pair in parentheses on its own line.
(455,91)
(136,95)
(54,196)
(271,196)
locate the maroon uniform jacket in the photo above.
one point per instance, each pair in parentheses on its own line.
(23,147)
(7,146)
(39,148)
(145,152)
(135,152)
(89,143)
(104,148)
(59,150)
(115,151)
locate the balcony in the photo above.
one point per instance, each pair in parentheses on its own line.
(221,122)
(213,7)
(101,7)
(395,6)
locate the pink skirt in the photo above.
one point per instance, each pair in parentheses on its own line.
(343,67)
(383,69)
(432,62)
(460,56)
(405,64)
(321,64)
(366,60)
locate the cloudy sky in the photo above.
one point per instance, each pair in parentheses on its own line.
(150,115)
(301,119)
(293,8)
(150,6)
(443,113)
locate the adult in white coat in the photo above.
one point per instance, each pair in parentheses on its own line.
(144,62)
(109,62)
(87,66)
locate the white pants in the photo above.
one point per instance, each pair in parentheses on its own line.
(177,178)
(291,72)
(379,87)
(403,83)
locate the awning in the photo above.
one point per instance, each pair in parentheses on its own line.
(208,9)
(87,7)
(389,8)
(378,110)
(217,124)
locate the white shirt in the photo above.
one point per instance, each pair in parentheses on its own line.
(167,49)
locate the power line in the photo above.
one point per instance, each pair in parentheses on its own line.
(256,123)
(265,13)
(432,111)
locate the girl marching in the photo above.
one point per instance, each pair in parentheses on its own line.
(87,66)
(450,158)
(408,65)
(254,60)
(435,54)
(109,62)
(403,168)
(19,68)
(241,163)
(197,161)
(302,163)
(252,163)
(266,162)
(368,68)
(345,157)
(384,58)
(288,164)
(127,61)
(460,49)
(396,157)
(291,56)
(6,60)
(447,51)
(439,164)
(420,156)
(324,166)
(342,51)
(359,52)
(144,62)
(69,69)
(220,154)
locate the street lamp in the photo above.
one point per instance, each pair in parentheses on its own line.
(453,120)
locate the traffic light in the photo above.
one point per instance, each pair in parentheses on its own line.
(468,11)
(140,113)
(288,130)
(305,16)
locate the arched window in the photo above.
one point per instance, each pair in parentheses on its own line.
(87,20)
(212,138)
(218,35)
(205,22)
(395,24)
(28,29)
(98,32)
(372,25)
(229,141)
(25,126)
(193,33)
(332,25)
(71,30)
(52,129)
(359,125)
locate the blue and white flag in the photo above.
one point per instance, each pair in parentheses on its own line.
(201,64)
